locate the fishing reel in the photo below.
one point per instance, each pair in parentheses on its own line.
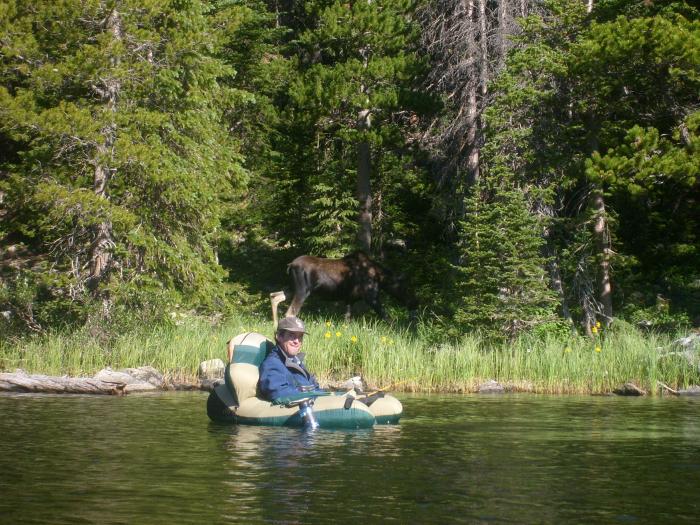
(306,411)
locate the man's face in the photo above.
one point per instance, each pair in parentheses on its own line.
(290,342)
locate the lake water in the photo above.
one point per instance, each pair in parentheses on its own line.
(453,459)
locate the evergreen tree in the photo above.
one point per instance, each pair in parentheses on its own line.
(350,106)
(581,88)
(252,45)
(639,70)
(502,283)
(113,110)
(508,218)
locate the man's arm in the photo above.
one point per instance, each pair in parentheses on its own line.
(314,381)
(274,380)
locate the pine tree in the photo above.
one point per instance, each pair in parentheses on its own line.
(253,40)
(579,88)
(353,97)
(502,282)
(114,111)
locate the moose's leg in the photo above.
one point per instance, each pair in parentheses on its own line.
(297,303)
(372,298)
(348,311)
(377,306)
(275,299)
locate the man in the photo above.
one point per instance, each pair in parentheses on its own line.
(282,373)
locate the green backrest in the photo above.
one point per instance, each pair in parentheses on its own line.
(251,348)
(241,375)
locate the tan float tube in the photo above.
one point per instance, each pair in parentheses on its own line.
(229,350)
(275,299)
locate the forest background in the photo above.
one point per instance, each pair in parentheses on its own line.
(531,166)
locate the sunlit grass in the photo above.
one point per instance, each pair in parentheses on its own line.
(381,354)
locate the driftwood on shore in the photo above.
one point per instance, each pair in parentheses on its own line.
(105,382)
(21,382)
(146,378)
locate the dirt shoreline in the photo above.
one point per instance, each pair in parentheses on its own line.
(147,379)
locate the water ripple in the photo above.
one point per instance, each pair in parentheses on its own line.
(455,459)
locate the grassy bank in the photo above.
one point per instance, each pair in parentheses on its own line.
(383,356)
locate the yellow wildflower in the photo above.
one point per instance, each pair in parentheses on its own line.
(597,324)
(383,339)
(598,349)
(328,323)
(338,334)
(594,330)
(328,334)
(353,339)
(567,349)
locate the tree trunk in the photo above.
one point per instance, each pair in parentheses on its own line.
(483,52)
(364,196)
(586,294)
(502,31)
(602,239)
(546,212)
(100,251)
(364,169)
(471,137)
(110,382)
(601,235)
(472,121)
(378,216)
(58,385)
(558,286)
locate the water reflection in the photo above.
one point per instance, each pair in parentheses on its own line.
(455,459)
(288,472)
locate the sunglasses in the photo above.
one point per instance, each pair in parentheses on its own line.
(292,335)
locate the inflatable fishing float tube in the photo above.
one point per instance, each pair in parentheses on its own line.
(235,401)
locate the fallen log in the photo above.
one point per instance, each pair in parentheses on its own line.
(667,388)
(140,379)
(23,382)
(105,382)
(629,389)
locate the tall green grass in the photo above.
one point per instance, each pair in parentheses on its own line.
(546,364)
(382,355)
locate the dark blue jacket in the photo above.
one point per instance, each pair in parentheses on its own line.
(282,376)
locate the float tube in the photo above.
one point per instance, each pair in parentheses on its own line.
(235,401)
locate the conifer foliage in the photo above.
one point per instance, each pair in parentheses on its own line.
(116,156)
(351,103)
(603,104)
(524,162)
(502,282)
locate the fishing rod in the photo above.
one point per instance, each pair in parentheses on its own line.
(384,388)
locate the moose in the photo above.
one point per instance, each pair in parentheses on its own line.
(351,278)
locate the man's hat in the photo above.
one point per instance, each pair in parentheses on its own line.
(291,324)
